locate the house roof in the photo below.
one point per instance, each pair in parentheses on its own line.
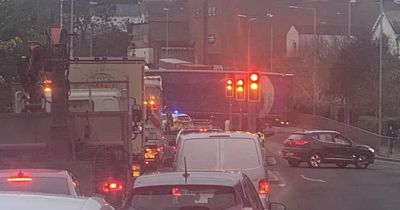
(392,12)
(321,29)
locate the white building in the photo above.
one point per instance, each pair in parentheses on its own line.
(391,25)
(300,39)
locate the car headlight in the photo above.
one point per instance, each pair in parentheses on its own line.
(370,149)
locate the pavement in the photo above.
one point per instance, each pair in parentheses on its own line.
(332,188)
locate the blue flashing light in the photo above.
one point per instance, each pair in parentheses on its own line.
(176,111)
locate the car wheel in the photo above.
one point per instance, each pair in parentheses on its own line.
(362,161)
(293,163)
(315,160)
(341,164)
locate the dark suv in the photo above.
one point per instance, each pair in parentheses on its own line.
(316,147)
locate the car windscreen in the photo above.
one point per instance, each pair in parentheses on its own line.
(239,154)
(214,154)
(200,154)
(183,197)
(48,185)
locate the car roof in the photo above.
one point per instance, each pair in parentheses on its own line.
(35,172)
(215,178)
(229,134)
(36,201)
(315,131)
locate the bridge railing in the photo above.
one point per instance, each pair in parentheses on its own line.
(383,145)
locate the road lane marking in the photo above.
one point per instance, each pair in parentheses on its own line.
(313,180)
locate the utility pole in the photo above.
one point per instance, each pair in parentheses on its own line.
(91,4)
(271,42)
(71,39)
(61,13)
(380,68)
(167,34)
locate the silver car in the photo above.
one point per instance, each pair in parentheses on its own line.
(227,151)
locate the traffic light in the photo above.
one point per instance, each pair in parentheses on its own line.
(254,87)
(47,86)
(229,89)
(240,90)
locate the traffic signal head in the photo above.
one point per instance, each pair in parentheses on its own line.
(229,90)
(47,87)
(240,90)
(254,87)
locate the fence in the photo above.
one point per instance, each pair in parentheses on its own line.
(383,145)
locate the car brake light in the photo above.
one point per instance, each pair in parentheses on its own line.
(263,186)
(112,187)
(301,142)
(19,179)
(176,192)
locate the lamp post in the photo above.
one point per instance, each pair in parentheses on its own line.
(167,33)
(380,68)
(61,13)
(250,19)
(269,15)
(314,10)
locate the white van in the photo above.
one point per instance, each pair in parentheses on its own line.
(227,151)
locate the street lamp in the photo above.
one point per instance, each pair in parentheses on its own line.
(61,13)
(167,34)
(270,16)
(248,37)
(71,38)
(315,53)
(380,69)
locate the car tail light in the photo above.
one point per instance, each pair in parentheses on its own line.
(174,148)
(112,187)
(301,142)
(176,192)
(19,178)
(263,186)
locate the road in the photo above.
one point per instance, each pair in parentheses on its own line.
(332,188)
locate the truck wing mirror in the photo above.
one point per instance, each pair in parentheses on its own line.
(136,113)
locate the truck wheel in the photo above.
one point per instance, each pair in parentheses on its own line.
(293,163)
(315,160)
(362,161)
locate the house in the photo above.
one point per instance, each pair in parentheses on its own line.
(300,39)
(391,25)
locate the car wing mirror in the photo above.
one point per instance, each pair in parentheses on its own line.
(276,206)
(271,161)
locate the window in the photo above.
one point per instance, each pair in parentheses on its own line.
(339,139)
(239,154)
(325,137)
(184,197)
(252,195)
(296,137)
(200,154)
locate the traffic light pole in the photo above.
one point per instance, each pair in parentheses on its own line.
(251,116)
(240,116)
(230,113)
(59,147)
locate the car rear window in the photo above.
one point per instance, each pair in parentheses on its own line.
(296,136)
(239,154)
(200,154)
(37,184)
(183,197)
(213,154)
